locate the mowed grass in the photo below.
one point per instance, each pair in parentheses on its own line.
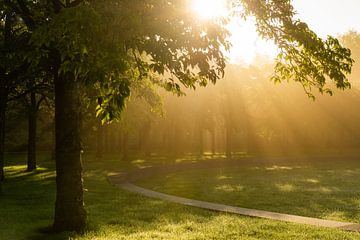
(26,211)
(328,189)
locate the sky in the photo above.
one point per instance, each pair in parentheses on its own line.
(329,17)
(325,17)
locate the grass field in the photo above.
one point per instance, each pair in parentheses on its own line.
(26,208)
(329,190)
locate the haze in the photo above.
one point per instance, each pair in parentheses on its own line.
(127,120)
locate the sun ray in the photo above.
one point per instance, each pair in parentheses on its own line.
(247,46)
(207,9)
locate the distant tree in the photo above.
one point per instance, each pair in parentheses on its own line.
(14,39)
(32,104)
(352,41)
(112,43)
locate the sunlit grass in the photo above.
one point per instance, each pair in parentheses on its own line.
(329,192)
(27,209)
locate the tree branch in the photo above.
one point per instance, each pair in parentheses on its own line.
(73,3)
(57,6)
(36,88)
(40,101)
(26,15)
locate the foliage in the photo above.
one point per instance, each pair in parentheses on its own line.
(110,51)
(352,40)
(105,45)
(261,116)
(303,57)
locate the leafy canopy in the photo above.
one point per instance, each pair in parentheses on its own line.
(303,57)
(110,44)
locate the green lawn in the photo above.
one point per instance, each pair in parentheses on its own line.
(26,208)
(328,190)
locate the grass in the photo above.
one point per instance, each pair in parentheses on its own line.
(327,190)
(26,210)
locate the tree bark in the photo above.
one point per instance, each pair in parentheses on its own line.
(70,214)
(3,103)
(229,127)
(143,138)
(99,140)
(125,144)
(213,141)
(107,140)
(31,160)
(53,140)
(201,141)
(228,146)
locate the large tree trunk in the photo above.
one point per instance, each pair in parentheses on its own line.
(3,103)
(70,213)
(31,160)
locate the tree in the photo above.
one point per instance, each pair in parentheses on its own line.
(13,47)
(17,79)
(113,65)
(32,103)
(352,41)
(110,44)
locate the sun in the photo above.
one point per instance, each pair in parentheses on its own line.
(208,9)
(247,46)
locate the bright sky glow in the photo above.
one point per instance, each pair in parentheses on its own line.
(325,17)
(246,43)
(329,17)
(209,8)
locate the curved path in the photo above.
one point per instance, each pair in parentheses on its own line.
(124,181)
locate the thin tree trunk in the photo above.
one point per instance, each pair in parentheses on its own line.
(201,142)
(125,144)
(144,137)
(228,141)
(117,142)
(229,127)
(4,93)
(3,103)
(106,137)
(228,135)
(99,140)
(213,141)
(53,140)
(31,160)
(70,213)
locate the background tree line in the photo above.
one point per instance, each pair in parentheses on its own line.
(243,113)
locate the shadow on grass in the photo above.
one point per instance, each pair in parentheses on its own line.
(113,212)
(48,233)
